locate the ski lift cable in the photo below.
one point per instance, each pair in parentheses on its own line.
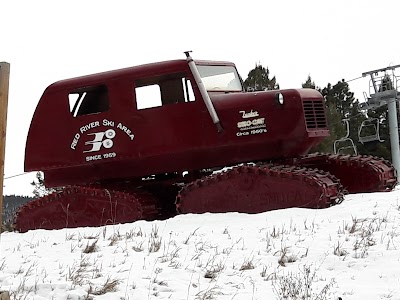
(355,116)
(349,118)
(16,175)
(353,79)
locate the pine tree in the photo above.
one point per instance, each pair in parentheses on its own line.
(309,84)
(258,80)
(40,189)
(341,97)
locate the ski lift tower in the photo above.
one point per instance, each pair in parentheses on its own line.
(383,89)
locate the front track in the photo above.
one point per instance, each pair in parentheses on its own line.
(357,173)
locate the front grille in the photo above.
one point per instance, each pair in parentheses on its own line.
(314,113)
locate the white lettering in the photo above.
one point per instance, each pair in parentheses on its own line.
(109,155)
(242,124)
(126,130)
(257,131)
(90,126)
(251,114)
(93,157)
(100,139)
(242,133)
(108,123)
(75,141)
(258,121)
(249,124)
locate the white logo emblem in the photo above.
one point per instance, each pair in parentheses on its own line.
(250,114)
(99,140)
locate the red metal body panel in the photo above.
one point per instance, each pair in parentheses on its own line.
(171,138)
(102,136)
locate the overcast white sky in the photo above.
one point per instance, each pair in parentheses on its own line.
(46,41)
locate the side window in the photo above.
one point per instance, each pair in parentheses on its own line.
(148,96)
(188,90)
(88,100)
(163,90)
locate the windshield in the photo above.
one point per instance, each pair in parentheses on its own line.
(220,78)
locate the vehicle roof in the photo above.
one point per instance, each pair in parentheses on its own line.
(135,71)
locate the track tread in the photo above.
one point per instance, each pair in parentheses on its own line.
(329,189)
(379,173)
(78,206)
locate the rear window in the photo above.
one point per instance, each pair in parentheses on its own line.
(89,100)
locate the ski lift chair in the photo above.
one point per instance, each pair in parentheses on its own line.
(345,139)
(371,124)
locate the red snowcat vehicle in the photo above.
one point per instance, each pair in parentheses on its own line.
(182,136)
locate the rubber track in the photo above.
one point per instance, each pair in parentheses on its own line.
(259,188)
(358,173)
(79,206)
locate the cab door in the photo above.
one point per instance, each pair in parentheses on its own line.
(170,118)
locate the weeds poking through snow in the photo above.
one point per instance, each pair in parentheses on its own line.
(264,271)
(70,236)
(186,241)
(134,233)
(362,245)
(110,285)
(138,247)
(339,251)
(114,239)
(247,265)
(90,248)
(76,275)
(209,294)
(171,256)
(214,270)
(104,232)
(268,243)
(91,236)
(155,240)
(2,265)
(302,285)
(285,258)
(353,227)
(275,232)
(29,271)
(211,257)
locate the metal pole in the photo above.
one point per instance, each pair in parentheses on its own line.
(392,114)
(4,82)
(203,91)
(394,136)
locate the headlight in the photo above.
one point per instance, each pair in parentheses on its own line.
(279,98)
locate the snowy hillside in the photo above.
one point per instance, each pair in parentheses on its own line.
(350,251)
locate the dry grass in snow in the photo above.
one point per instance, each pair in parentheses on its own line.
(350,251)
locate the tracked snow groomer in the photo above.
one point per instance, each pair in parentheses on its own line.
(182,136)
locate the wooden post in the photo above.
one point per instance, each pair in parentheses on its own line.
(4,82)
(4,295)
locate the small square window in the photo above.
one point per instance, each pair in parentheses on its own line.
(148,96)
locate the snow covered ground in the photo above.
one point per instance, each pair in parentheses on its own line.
(350,251)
